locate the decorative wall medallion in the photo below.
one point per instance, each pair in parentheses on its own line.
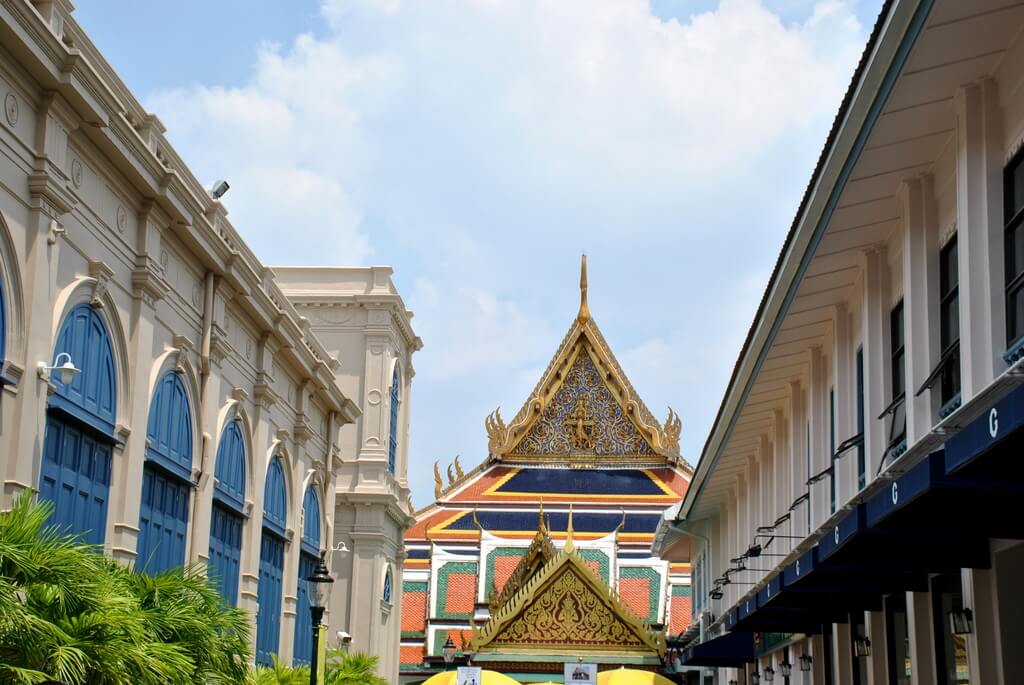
(122,218)
(197,295)
(76,172)
(11,109)
(164,258)
(373,397)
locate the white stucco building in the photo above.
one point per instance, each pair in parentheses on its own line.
(855,511)
(212,419)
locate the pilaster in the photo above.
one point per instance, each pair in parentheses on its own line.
(979,166)
(920,295)
(876,356)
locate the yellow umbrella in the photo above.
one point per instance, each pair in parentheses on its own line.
(627,676)
(489,678)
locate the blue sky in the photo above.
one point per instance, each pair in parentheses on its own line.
(479,146)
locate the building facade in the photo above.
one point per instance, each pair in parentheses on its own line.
(852,518)
(204,421)
(361,320)
(541,554)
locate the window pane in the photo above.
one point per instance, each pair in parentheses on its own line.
(1015,308)
(1015,187)
(948,274)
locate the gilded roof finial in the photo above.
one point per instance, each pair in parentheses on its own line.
(540,517)
(584,314)
(569,546)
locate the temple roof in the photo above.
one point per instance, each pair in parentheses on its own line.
(584,410)
(558,603)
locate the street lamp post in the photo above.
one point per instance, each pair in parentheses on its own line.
(449,653)
(318,590)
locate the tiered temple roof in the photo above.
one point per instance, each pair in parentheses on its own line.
(585,462)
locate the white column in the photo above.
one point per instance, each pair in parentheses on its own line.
(979,166)
(920,297)
(842,654)
(984,647)
(818,411)
(877,666)
(842,373)
(876,356)
(919,627)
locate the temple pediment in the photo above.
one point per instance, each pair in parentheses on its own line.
(584,409)
(564,607)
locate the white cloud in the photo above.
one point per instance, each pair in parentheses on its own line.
(480,145)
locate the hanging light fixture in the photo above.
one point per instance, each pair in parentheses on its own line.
(769,674)
(67,368)
(755,678)
(861,646)
(805,662)
(786,668)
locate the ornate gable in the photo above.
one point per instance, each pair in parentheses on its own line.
(584,409)
(539,553)
(565,606)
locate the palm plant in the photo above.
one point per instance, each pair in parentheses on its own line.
(71,615)
(279,673)
(356,668)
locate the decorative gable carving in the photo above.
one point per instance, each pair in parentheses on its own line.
(565,606)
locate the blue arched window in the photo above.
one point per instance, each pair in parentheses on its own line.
(228,515)
(308,559)
(396,400)
(275,519)
(3,325)
(166,478)
(387,585)
(75,473)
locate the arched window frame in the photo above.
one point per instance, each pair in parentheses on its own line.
(227,520)
(387,592)
(272,553)
(393,424)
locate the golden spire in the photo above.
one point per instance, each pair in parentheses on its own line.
(584,314)
(569,546)
(540,517)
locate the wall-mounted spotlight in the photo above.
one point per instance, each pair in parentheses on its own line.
(961,622)
(67,369)
(218,189)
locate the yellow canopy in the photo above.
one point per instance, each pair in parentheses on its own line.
(627,676)
(490,678)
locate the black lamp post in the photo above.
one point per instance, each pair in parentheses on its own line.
(318,590)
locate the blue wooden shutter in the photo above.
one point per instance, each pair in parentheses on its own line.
(228,517)
(77,447)
(166,478)
(387,586)
(275,520)
(308,559)
(393,429)
(3,323)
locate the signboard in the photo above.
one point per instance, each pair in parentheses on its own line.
(581,674)
(469,675)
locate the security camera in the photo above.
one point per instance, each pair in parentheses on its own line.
(218,189)
(343,637)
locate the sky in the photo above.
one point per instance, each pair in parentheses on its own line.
(480,146)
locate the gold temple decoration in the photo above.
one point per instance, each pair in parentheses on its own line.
(438,486)
(580,426)
(641,438)
(565,605)
(569,546)
(459,473)
(451,476)
(584,313)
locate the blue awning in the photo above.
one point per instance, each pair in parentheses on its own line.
(731,649)
(979,448)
